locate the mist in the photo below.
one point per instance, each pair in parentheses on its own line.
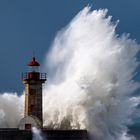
(90,78)
(91,84)
(37,134)
(11,110)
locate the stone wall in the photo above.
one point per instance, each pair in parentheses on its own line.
(15,134)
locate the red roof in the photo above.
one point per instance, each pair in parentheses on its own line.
(33,62)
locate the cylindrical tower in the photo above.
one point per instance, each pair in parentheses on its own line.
(33,81)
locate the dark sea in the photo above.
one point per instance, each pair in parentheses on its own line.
(135,130)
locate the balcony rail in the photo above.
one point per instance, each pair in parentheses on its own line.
(34,75)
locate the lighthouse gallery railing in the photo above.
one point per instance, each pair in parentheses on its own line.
(41,76)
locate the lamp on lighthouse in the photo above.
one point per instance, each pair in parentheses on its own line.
(33,72)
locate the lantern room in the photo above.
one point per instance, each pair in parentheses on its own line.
(33,71)
(33,65)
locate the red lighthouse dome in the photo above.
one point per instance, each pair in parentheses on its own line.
(33,71)
(33,62)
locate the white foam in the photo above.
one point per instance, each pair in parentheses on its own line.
(90,77)
(37,134)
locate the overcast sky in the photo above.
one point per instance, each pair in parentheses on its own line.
(28,25)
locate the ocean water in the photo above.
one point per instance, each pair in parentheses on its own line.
(135,130)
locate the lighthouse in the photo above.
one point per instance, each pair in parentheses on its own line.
(33,80)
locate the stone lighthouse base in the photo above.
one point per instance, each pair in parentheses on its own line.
(28,122)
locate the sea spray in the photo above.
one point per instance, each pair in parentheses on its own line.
(11,110)
(37,134)
(90,78)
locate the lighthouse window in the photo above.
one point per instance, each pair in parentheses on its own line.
(28,126)
(33,69)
